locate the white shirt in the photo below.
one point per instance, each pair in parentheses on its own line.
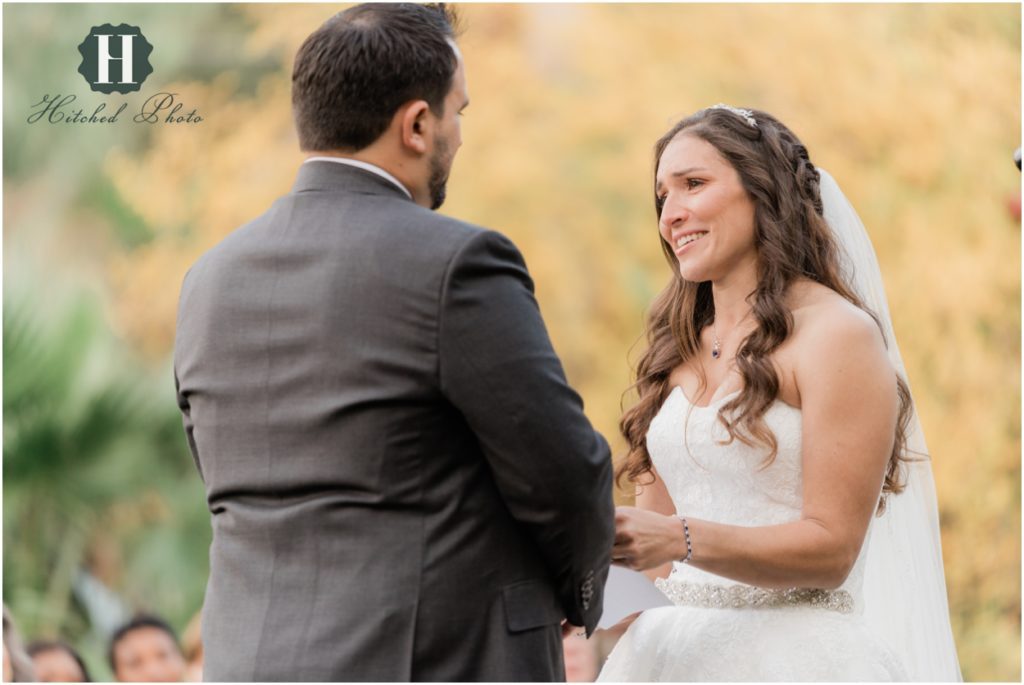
(372,168)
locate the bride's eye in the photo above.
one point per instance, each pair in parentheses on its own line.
(692,183)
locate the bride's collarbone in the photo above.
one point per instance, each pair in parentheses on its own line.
(721,383)
(722,377)
(718,383)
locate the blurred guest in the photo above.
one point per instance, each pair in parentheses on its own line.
(17,664)
(56,661)
(192,646)
(146,650)
(580,659)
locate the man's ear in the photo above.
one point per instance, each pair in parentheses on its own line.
(414,123)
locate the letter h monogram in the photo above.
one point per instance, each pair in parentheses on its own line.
(104,57)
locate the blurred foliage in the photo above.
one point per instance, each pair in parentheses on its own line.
(97,479)
(93,474)
(915,109)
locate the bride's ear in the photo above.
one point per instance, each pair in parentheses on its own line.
(414,121)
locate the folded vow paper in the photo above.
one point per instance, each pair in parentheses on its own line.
(627,592)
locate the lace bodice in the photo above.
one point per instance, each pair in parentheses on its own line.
(730,483)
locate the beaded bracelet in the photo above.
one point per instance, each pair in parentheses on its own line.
(689,546)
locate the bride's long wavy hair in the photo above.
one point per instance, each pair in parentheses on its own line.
(793,241)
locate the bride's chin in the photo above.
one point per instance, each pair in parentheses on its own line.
(689,273)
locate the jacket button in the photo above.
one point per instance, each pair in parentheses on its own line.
(587,590)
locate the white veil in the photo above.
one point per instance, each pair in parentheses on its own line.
(904,583)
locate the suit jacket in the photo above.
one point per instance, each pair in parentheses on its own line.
(402,484)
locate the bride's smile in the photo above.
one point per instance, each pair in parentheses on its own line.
(686,239)
(706,216)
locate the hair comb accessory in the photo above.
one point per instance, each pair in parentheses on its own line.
(744,114)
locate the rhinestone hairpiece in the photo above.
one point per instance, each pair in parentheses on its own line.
(744,114)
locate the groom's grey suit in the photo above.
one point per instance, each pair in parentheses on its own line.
(402,485)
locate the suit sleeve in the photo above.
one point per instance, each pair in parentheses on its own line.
(183,403)
(186,420)
(497,366)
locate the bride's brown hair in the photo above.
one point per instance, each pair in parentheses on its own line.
(793,241)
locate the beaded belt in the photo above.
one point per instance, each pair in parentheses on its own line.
(749,597)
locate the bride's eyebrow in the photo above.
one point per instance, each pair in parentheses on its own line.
(687,172)
(679,174)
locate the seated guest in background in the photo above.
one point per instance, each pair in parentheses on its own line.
(146,650)
(17,664)
(56,661)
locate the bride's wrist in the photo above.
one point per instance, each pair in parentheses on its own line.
(686,547)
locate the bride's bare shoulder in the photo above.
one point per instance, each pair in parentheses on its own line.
(818,309)
(828,330)
(826,322)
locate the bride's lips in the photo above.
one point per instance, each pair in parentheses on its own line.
(684,241)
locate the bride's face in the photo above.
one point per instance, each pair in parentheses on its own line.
(706,216)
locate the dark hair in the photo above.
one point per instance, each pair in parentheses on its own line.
(353,73)
(40,646)
(793,241)
(140,621)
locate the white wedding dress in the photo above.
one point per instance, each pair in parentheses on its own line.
(719,630)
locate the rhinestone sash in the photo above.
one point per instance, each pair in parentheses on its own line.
(749,597)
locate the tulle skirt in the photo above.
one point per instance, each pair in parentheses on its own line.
(782,644)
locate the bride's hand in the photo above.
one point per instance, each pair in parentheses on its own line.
(646,539)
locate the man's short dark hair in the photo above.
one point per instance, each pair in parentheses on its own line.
(140,621)
(353,73)
(40,646)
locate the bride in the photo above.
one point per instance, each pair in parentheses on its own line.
(774,434)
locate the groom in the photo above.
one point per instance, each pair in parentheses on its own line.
(402,484)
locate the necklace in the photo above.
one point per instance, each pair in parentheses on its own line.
(716,344)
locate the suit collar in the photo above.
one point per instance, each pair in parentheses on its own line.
(327,175)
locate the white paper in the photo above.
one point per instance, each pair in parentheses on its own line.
(627,592)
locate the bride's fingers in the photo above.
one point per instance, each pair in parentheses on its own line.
(628,558)
(623,555)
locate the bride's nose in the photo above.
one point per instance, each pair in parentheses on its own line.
(673,214)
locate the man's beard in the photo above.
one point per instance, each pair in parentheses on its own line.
(439,173)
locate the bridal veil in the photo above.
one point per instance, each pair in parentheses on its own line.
(904,584)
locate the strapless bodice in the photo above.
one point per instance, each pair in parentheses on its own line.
(708,477)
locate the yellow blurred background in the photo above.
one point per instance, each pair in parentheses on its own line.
(914,109)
